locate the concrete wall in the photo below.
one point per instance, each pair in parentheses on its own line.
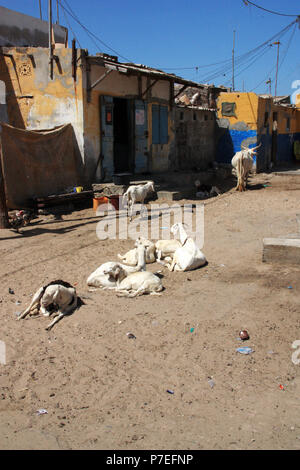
(17,29)
(194,139)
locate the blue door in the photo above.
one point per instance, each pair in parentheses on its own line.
(107,137)
(141,136)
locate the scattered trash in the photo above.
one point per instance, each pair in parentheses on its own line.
(192,329)
(211,383)
(245,350)
(171,392)
(290,287)
(42,411)
(18,314)
(10,291)
(131,336)
(267,186)
(244,335)
(281,387)
(18,302)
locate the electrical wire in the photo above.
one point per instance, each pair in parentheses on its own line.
(70,27)
(92,36)
(283,59)
(246,2)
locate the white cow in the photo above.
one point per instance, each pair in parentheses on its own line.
(242,162)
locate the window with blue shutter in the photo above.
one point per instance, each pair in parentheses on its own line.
(159,124)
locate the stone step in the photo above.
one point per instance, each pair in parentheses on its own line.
(281,250)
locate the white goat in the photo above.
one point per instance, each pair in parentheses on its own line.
(135,284)
(188,256)
(137,193)
(165,249)
(131,257)
(101,276)
(242,163)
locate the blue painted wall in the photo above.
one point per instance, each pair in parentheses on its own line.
(230,142)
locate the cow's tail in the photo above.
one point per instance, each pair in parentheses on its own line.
(240,173)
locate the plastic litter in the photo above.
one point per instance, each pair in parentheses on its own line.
(290,287)
(245,350)
(10,291)
(170,391)
(131,336)
(211,383)
(192,329)
(42,411)
(244,335)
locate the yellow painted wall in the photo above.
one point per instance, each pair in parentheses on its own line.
(246,108)
(33,99)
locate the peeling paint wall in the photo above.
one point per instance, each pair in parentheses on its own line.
(34,100)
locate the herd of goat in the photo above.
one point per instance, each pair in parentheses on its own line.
(131,278)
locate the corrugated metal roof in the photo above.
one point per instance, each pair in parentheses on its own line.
(140,69)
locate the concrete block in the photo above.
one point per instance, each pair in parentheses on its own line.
(169,195)
(281,250)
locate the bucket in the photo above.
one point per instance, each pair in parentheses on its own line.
(113,200)
(78,189)
(97,201)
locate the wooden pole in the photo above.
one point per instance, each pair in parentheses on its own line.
(40,9)
(57,12)
(50,38)
(278,44)
(233,60)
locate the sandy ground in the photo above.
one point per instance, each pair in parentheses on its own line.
(103,390)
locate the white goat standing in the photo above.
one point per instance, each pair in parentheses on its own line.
(137,193)
(101,276)
(131,257)
(188,256)
(242,163)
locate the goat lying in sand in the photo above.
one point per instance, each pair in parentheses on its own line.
(188,256)
(135,284)
(131,257)
(101,277)
(165,249)
(137,193)
(58,296)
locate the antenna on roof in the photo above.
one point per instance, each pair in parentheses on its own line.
(40,9)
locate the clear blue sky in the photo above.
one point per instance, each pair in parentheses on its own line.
(183,36)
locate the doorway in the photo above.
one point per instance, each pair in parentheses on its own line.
(122,135)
